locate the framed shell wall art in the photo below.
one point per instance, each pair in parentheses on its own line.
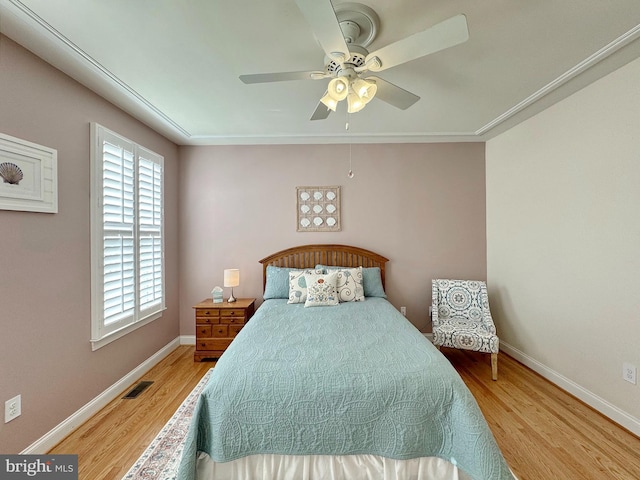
(318,209)
(28,176)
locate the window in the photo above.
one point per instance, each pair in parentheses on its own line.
(127,236)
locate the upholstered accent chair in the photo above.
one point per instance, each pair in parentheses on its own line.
(461,318)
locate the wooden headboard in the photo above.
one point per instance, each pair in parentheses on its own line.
(308,256)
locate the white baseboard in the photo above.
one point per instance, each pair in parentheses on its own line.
(601,405)
(187,339)
(54,436)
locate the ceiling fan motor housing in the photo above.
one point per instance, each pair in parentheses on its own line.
(357,59)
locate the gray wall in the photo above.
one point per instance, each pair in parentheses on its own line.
(420,205)
(45,270)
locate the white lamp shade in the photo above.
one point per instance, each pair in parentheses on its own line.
(338,89)
(354,103)
(330,102)
(231,277)
(365,89)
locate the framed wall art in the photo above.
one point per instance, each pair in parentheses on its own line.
(318,209)
(28,176)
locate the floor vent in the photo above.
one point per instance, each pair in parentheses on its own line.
(137,390)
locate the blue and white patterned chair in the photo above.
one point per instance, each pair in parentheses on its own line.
(462,319)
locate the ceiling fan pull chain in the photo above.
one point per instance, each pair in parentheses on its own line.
(350,174)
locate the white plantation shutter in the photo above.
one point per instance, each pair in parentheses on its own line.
(150,232)
(127,236)
(119,227)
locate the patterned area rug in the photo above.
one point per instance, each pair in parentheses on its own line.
(161,459)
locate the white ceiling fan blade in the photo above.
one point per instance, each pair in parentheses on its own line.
(282,77)
(393,95)
(321,112)
(448,33)
(324,23)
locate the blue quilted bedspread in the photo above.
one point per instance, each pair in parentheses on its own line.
(356,378)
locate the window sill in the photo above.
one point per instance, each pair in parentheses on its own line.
(101,342)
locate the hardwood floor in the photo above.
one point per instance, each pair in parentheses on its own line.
(543,432)
(112,440)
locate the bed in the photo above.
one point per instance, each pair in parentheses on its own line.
(347,391)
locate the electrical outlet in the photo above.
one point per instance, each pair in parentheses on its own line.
(12,409)
(629,372)
(403,311)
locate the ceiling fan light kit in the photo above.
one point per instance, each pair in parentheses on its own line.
(358,93)
(343,33)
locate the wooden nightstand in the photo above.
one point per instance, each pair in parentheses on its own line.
(218,323)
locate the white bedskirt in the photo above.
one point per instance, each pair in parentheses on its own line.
(326,467)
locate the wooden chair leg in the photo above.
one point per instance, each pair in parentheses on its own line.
(494,366)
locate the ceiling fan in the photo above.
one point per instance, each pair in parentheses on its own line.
(344,32)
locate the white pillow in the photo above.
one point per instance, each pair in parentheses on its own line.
(297,285)
(350,284)
(321,289)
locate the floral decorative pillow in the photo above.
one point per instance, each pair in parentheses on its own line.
(321,289)
(371,280)
(298,286)
(350,284)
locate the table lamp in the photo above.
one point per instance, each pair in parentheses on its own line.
(231,279)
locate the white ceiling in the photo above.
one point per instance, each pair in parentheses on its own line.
(174,64)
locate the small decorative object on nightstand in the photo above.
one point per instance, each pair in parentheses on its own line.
(231,279)
(218,323)
(216,294)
